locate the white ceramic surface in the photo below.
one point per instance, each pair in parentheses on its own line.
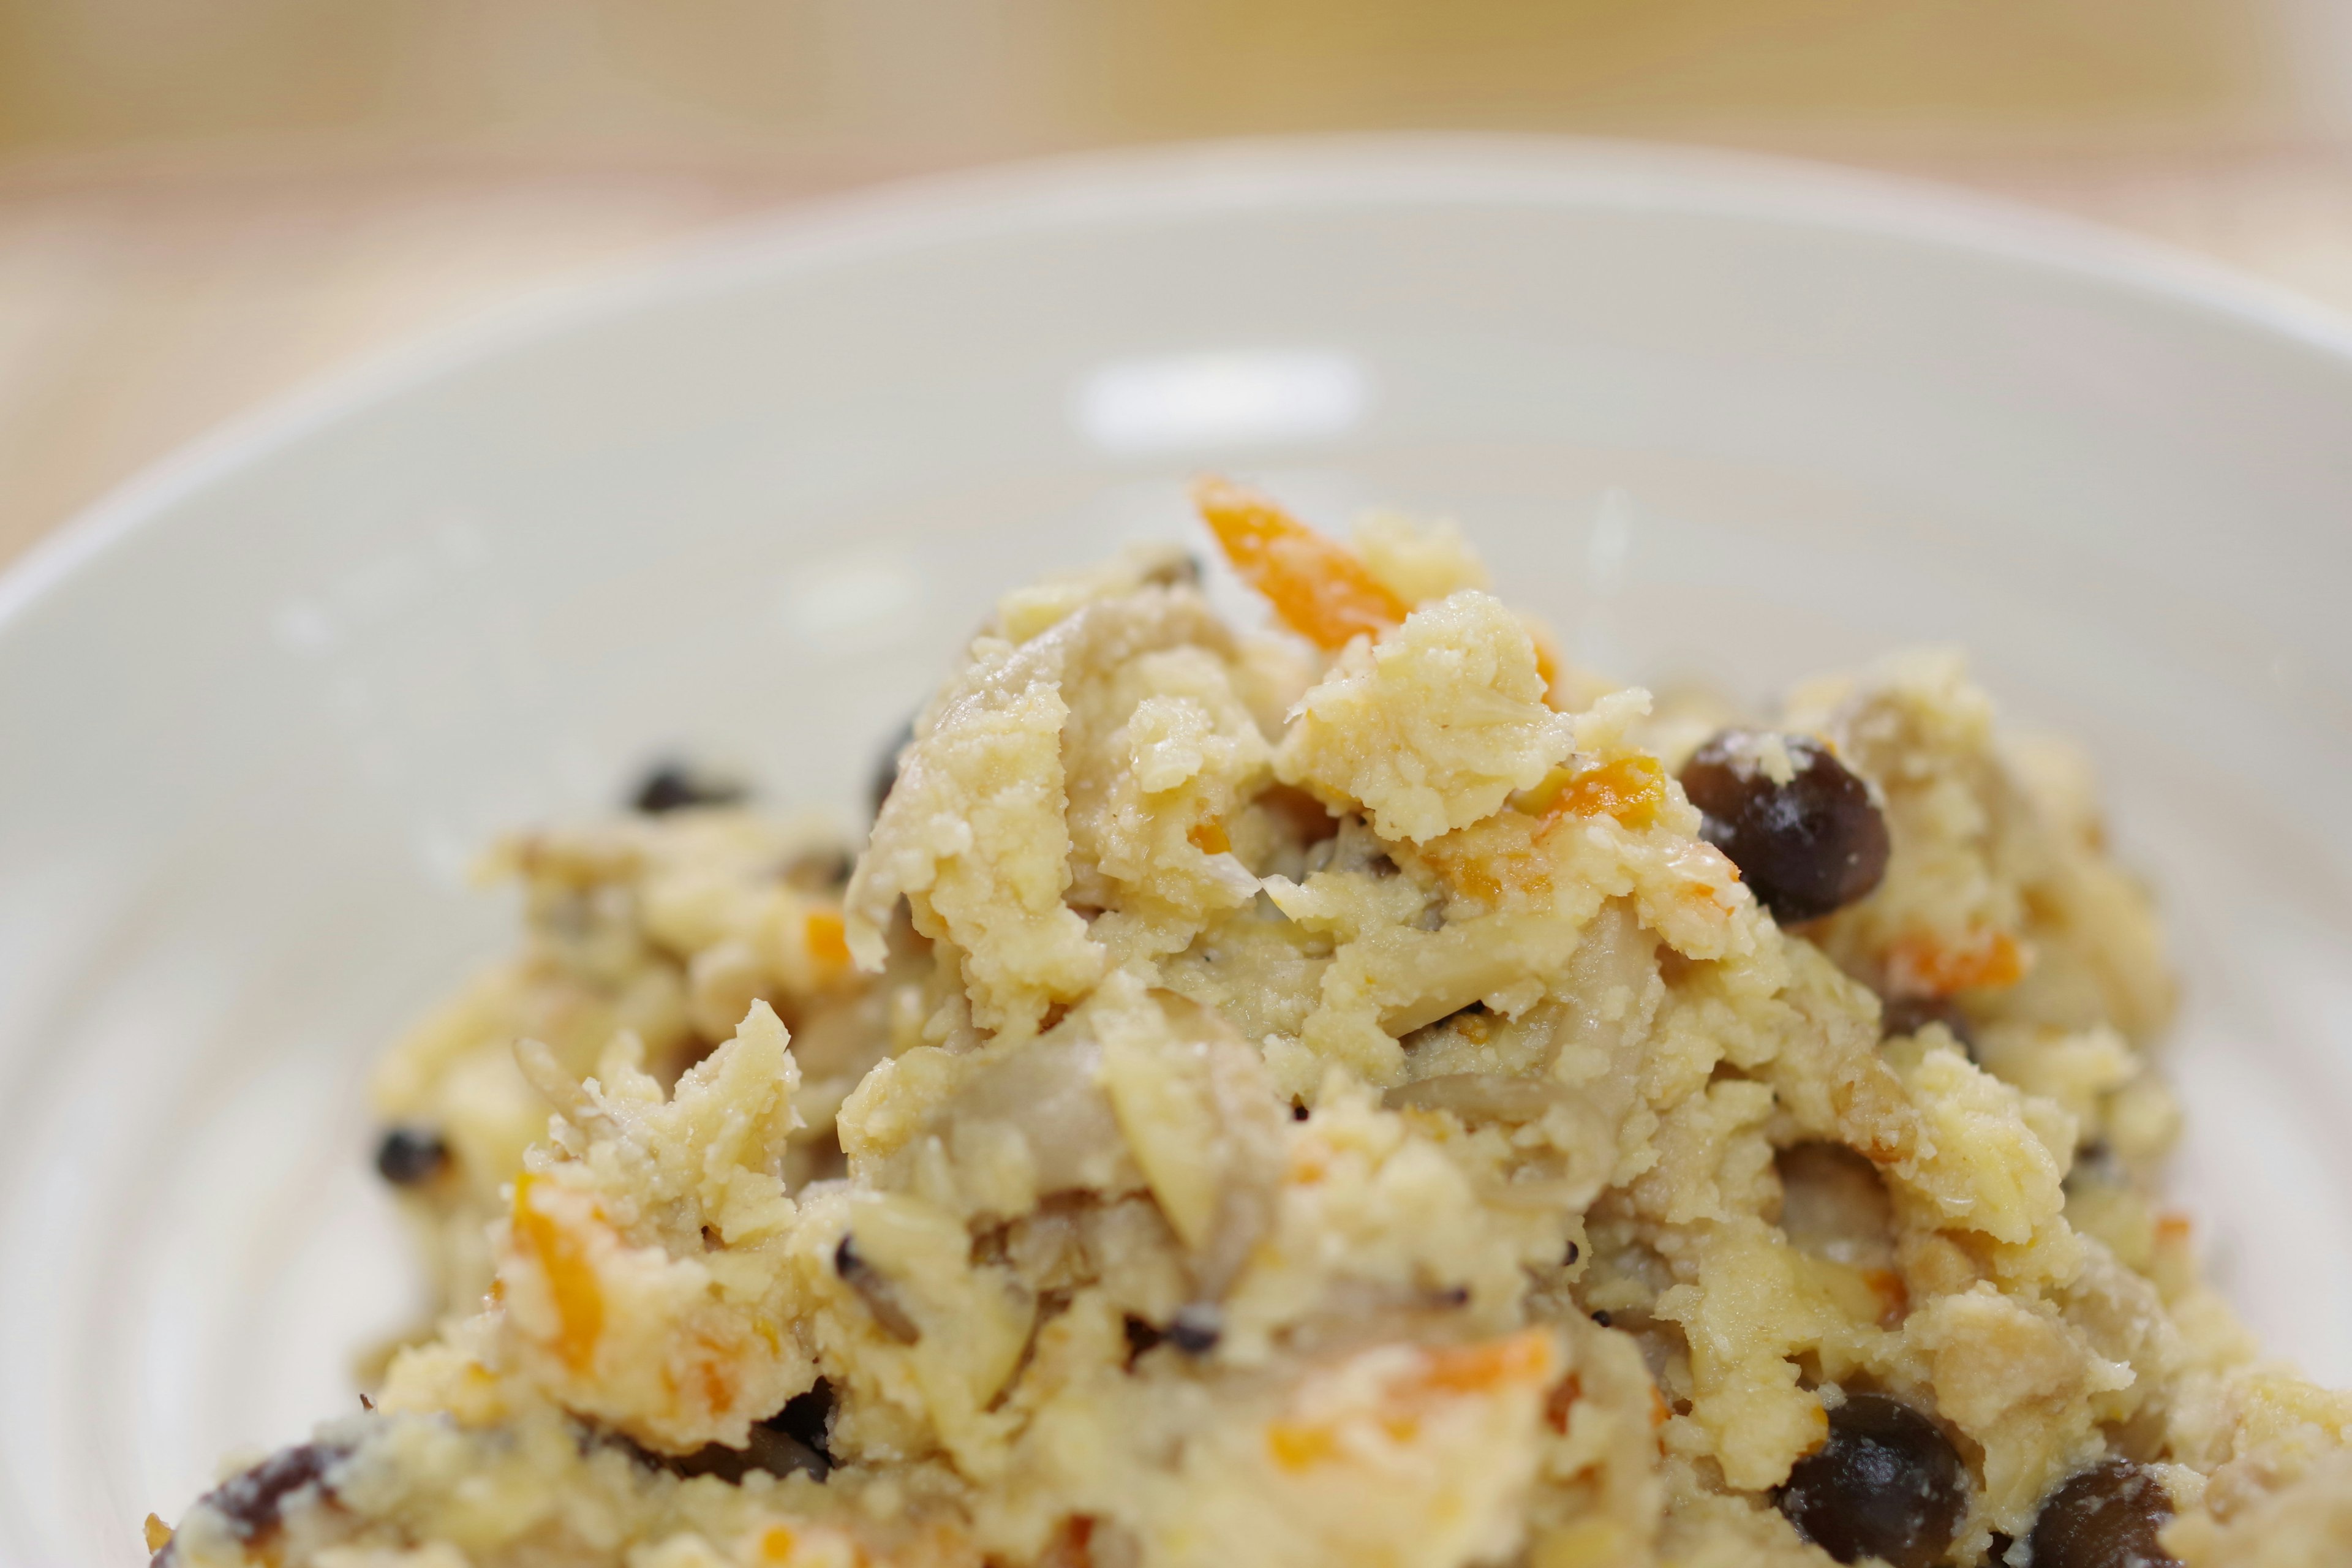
(1715,418)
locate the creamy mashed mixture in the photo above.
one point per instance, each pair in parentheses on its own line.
(1359,1092)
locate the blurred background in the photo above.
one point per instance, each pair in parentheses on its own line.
(202,202)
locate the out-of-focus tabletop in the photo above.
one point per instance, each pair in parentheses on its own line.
(194,219)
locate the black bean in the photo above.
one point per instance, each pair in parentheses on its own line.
(874,1288)
(1602,1319)
(411,1156)
(1574,1252)
(1887,1483)
(252,1504)
(1900,1015)
(673,786)
(885,773)
(2106,1517)
(1815,843)
(1196,1328)
(1298,1111)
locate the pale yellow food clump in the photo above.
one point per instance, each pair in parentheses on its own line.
(1431,727)
(1298,1105)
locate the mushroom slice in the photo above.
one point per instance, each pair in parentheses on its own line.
(1204,1124)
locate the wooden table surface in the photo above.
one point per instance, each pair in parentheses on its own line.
(139,306)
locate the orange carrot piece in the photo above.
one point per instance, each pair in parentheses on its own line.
(1524,1357)
(828,941)
(1316,584)
(1296,1445)
(1210,837)
(571,1277)
(1560,1403)
(1631,790)
(1986,959)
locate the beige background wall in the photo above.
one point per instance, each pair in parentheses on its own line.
(928,80)
(203,201)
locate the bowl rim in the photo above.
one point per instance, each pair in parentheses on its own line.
(1395,169)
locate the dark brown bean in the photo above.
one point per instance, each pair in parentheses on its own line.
(2104,1516)
(1887,1483)
(411,1156)
(252,1503)
(673,785)
(1815,843)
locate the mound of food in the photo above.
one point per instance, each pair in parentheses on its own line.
(1354,1092)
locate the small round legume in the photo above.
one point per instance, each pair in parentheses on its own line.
(411,1156)
(2104,1516)
(1887,1483)
(1805,847)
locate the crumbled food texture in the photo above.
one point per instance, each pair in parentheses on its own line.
(1431,727)
(1418,561)
(1317,1095)
(2301,1521)
(615,1297)
(1025,611)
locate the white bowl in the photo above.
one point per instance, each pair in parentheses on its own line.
(1714,416)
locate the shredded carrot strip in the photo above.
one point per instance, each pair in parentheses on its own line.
(1316,585)
(1296,1445)
(571,1277)
(1481,1368)
(828,941)
(1985,959)
(1560,1403)
(1630,790)
(717,1386)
